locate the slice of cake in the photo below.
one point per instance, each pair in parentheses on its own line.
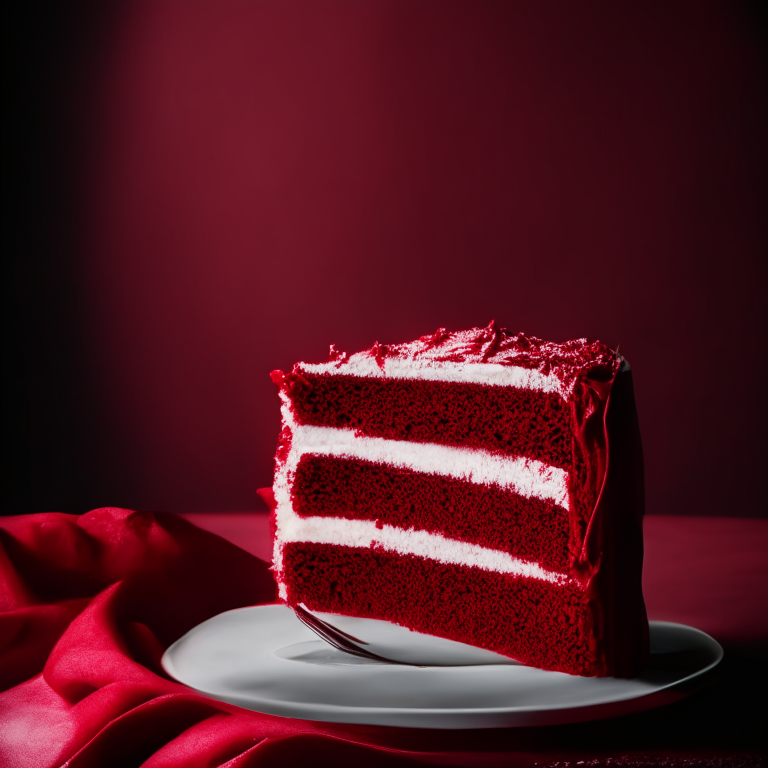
(480,486)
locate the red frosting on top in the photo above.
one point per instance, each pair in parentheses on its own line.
(568,361)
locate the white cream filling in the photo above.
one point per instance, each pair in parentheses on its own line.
(492,374)
(432,546)
(526,477)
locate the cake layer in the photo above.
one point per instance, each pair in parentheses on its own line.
(507,420)
(502,612)
(530,529)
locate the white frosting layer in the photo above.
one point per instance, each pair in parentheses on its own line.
(363,365)
(432,546)
(526,477)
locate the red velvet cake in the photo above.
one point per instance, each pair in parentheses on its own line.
(479,486)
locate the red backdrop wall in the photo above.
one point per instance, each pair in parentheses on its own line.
(263,179)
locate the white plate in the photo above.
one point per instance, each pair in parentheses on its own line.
(263,658)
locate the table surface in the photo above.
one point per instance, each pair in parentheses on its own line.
(709,573)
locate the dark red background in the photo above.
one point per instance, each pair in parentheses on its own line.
(205,191)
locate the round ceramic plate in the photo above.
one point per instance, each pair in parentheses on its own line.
(263,658)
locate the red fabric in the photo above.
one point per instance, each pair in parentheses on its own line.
(88,604)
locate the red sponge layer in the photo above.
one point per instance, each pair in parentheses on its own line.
(530,529)
(503,613)
(500,419)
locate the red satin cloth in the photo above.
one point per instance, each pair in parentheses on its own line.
(89,603)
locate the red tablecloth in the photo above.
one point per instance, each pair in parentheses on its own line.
(90,602)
